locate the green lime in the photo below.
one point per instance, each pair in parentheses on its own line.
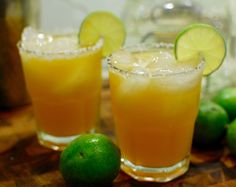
(103,25)
(210,124)
(204,40)
(90,160)
(227,99)
(231,137)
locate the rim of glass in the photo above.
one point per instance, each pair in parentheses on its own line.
(79,51)
(147,46)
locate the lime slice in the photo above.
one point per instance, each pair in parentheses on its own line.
(102,25)
(204,40)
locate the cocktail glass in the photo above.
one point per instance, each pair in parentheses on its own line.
(155,103)
(64,82)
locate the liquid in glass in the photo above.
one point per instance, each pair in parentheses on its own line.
(155,103)
(64,82)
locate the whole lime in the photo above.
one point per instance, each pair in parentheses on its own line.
(90,160)
(227,99)
(231,137)
(210,124)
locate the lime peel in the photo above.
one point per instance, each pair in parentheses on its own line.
(105,25)
(210,44)
(90,160)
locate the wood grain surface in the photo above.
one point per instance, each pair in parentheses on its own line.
(24,163)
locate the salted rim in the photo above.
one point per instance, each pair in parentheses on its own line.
(145,47)
(79,51)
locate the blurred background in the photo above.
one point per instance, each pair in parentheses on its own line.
(145,21)
(69,13)
(155,21)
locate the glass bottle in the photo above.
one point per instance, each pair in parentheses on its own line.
(14,15)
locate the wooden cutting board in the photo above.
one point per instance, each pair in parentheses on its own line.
(24,163)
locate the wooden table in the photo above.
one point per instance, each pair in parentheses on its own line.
(24,163)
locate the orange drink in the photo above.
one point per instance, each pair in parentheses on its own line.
(64,82)
(155,102)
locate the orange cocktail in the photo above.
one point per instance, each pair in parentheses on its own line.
(64,82)
(155,102)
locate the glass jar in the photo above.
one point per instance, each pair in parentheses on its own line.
(14,15)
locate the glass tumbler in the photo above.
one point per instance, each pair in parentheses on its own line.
(64,82)
(155,103)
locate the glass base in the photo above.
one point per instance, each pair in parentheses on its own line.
(164,174)
(54,142)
